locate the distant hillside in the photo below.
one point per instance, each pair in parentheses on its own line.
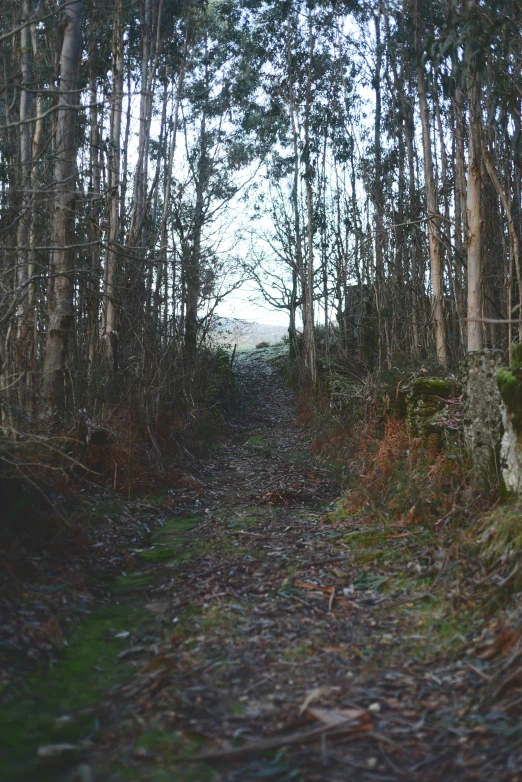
(246,334)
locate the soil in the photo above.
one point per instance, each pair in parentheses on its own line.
(263,636)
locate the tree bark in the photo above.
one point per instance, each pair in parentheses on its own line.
(310,363)
(110,332)
(433,229)
(377,196)
(514,248)
(60,282)
(474,212)
(24,332)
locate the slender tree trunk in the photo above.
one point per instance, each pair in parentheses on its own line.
(92,304)
(474,212)
(31,288)
(24,331)
(299,258)
(193,266)
(514,248)
(292,331)
(110,329)
(140,178)
(433,229)
(377,195)
(168,178)
(310,364)
(61,284)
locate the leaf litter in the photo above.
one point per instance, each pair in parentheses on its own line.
(286,647)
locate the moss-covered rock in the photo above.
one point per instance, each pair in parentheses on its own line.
(510,387)
(428,406)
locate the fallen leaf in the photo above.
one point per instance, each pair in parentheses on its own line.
(50,751)
(315,587)
(314,694)
(334,717)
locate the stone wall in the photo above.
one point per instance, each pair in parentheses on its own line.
(489,414)
(510,387)
(481,408)
(431,406)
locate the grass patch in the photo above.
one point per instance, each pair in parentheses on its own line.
(256,439)
(501,540)
(158,554)
(444,630)
(167,752)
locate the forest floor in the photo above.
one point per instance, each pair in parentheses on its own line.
(263,636)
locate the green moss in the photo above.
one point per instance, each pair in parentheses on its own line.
(157,499)
(509,382)
(171,753)
(243,520)
(516,356)
(256,439)
(433,386)
(426,404)
(131,582)
(158,554)
(56,703)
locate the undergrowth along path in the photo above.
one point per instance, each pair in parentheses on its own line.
(269,638)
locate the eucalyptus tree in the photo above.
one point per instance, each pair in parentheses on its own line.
(60,297)
(431,195)
(304,80)
(221,147)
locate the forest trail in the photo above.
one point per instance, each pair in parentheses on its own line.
(260,639)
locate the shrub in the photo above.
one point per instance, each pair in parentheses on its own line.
(262,345)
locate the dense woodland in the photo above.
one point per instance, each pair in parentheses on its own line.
(200,545)
(372,151)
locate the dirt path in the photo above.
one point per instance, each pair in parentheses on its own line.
(261,641)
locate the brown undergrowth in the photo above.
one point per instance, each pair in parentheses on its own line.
(408,479)
(71,503)
(460,540)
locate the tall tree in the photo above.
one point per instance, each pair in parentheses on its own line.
(431,200)
(60,264)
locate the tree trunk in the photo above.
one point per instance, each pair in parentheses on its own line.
(24,331)
(110,332)
(193,266)
(61,284)
(310,365)
(433,230)
(94,234)
(514,249)
(377,196)
(140,177)
(474,212)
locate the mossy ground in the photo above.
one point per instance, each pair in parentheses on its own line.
(57,703)
(256,439)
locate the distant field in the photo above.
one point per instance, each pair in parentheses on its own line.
(246,334)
